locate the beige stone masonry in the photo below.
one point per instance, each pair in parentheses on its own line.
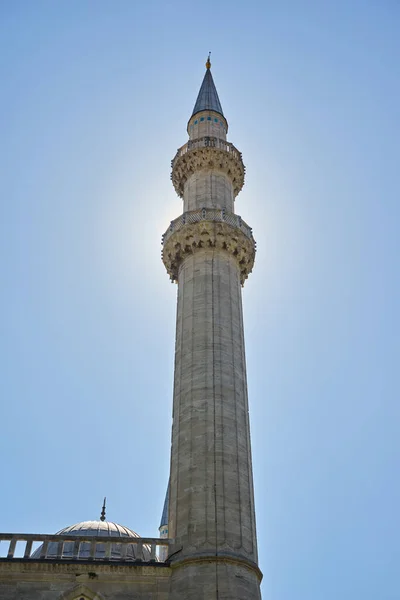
(208,122)
(204,154)
(52,580)
(211,491)
(209,189)
(208,233)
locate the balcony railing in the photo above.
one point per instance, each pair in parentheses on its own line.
(204,142)
(208,214)
(65,547)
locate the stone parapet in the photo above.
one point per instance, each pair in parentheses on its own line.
(82,548)
(208,228)
(205,153)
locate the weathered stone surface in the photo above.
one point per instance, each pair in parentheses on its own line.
(204,154)
(215,580)
(212,124)
(209,234)
(30,580)
(209,189)
(211,490)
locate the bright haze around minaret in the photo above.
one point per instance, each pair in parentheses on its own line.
(96,98)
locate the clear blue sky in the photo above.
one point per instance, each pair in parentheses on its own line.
(94,101)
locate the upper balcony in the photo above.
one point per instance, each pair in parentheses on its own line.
(207,153)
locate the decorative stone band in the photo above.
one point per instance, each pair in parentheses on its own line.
(207,152)
(222,557)
(208,228)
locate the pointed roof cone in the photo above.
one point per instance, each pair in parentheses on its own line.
(208,96)
(164,516)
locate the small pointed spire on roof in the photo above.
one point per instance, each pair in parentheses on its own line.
(208,63)
(103,511)
(164,516)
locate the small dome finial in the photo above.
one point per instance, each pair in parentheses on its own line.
(208,63)
(103,511)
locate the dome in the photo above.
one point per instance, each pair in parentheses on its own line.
(96,528)
(107,528)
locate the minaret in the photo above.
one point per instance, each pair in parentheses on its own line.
(209,251)
(163,529)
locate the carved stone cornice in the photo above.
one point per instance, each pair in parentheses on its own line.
(185,237)
(220,557)
(81,591)
(207,153)
(19,565)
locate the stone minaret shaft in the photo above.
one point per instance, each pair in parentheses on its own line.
(209,251)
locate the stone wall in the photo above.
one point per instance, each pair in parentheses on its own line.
(208,189)
(215,580)
(31,580)
(207,122)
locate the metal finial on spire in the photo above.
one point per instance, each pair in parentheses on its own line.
(103,511)
(208,63)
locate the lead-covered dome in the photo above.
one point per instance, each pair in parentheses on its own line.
(100,528)
(107,528)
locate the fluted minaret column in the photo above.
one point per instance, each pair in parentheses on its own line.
(209,251)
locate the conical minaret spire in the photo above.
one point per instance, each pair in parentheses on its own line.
(163,529)
(207,98)
(209,252)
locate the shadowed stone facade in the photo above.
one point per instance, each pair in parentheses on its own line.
(76,581)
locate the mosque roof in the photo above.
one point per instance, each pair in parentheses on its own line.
(95,528)
(208,95)
(101,527)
